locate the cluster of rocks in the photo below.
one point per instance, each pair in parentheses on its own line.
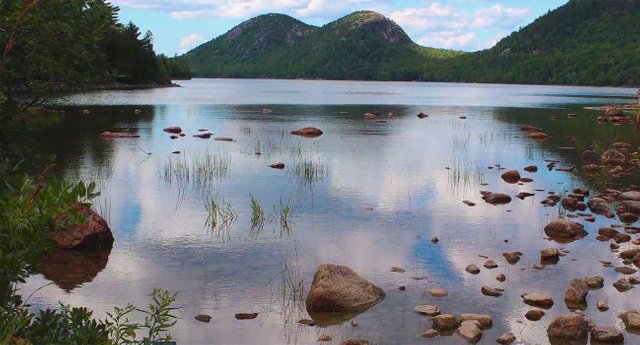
(615,115)
(622,159)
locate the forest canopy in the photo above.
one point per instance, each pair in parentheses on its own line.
(65,45)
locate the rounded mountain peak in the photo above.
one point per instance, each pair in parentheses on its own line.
(373,23)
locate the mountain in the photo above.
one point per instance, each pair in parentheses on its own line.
(584,42)
(362,45)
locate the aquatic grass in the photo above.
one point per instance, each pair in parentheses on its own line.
(283,213)
(210,167)
(257,216)
(220,216)
(309,172)
(203,169)
(176,170)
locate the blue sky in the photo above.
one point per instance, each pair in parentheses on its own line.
(179,25)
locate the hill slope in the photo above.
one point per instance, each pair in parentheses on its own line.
(584,42)
(362,45)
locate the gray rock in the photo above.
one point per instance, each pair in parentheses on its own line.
(338,289)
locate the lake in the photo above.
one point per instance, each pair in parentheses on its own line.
(368,194)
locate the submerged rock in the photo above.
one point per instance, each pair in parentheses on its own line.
(339,290)
(512,258)
(438,292)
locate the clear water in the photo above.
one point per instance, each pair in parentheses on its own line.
(366,194)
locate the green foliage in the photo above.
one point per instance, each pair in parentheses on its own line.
(60,45)
(176,67)
(76,326)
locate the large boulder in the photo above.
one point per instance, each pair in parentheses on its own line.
(613,157)
(91,233)
(339,290)
(568,327)
(563,230)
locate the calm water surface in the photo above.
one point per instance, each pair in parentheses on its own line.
(366,194)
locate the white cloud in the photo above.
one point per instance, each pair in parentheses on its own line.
(447,39)
(448,27)
(191,41)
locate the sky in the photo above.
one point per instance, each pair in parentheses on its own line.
(470,25)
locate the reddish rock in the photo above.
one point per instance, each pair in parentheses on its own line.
(308,132)
(89,234)
(174,130)
(223,139)
(203,135)
(279,166)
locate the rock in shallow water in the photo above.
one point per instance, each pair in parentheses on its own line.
(470,331)
(428,310)
(537,299)
(607,335)
(506,339)
(445,322)
(91,233)
(631,319)
(338,289)
(568,327)
(563,230)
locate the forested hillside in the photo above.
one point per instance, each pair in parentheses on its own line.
(62,45)
(363,45)
(585,42)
